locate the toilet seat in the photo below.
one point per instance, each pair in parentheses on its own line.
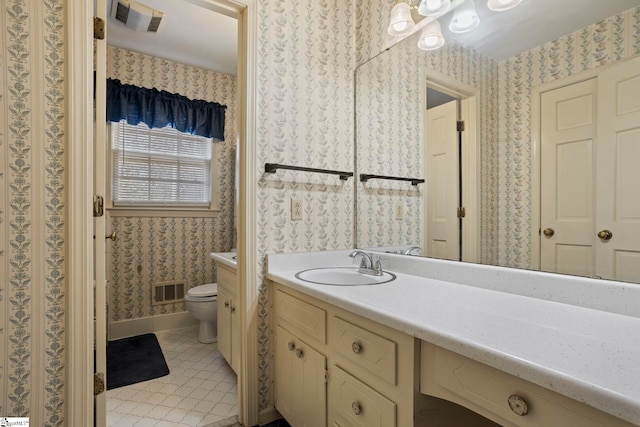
(207,292)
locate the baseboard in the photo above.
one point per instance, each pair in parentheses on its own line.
(268,415)
(145,325)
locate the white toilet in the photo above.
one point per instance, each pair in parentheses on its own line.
(201,301)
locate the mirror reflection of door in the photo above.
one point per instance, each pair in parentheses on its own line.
(443,183)
(590,152)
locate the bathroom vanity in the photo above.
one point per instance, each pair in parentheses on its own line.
(520,348)
(228,317)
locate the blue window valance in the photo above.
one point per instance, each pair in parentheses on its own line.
(159,108)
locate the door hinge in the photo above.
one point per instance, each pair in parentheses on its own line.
(98,28)
(460,126)
(461,212)
(98,206)
(98,383)
(326,376)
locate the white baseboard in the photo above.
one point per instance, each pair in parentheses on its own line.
(268,415)
(145,325)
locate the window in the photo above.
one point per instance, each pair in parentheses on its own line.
(159,167)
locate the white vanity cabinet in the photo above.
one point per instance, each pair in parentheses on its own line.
(228,316)
(366,369)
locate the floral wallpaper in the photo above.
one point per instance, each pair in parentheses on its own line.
(305,118)
(150,249)
(32,211)
(599,44)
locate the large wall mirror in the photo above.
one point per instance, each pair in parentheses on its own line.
(512,81)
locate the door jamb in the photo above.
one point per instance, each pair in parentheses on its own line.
(79,315)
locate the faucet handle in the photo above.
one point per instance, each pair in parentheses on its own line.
(378,267)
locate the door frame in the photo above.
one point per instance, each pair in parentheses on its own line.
(470,154)
(80,294)
(536,134)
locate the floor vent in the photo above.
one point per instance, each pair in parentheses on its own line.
(168,292)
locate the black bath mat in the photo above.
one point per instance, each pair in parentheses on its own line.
(133,360)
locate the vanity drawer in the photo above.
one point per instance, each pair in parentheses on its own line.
(366,349)
(353,403)
(302,317)
(493,393)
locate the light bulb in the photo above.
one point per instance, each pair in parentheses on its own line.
(431,37)
(401,22)
(464,18)
(433,7)
(502,5)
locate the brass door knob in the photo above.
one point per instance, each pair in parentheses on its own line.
(549,232)
(113,236)
(605,234)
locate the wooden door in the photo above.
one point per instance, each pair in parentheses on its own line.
(224,324)
(568,131)
(443,230)
(618,173)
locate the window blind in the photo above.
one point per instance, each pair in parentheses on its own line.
(159,167)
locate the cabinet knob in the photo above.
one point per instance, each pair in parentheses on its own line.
(291,345)
(226,304)
(605,235)
(299,353)
(357,409)
(356,347)
(518,405)
(233,309)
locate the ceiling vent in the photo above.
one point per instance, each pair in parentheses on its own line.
(136,16)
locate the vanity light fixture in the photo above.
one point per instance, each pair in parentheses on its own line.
(433,7)
(401,21)
(431,37)
(502,5)
(464,18)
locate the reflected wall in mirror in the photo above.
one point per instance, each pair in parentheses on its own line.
(390,92)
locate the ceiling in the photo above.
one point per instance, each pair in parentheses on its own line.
(196,36)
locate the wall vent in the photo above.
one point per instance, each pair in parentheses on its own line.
(168,292)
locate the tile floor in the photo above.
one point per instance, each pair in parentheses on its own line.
(200,390)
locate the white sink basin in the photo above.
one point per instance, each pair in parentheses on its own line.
(343,276)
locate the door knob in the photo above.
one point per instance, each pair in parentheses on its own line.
(113,236)
(605,234)
(549,232)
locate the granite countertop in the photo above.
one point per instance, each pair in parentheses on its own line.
(588,354)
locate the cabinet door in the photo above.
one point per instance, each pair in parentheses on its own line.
(224,325)
(301,396)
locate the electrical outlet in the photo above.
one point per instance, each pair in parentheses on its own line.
(399,211)
(296,210)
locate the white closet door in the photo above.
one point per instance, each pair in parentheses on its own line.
(618,173)
(442,182)
(567,179)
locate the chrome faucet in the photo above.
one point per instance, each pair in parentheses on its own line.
(367,265)
(411,249)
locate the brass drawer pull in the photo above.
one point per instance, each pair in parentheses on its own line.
(356,347)
(299,353)
(291,345)
(518,405)
(357,409)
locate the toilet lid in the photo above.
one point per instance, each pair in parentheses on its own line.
(208,290)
